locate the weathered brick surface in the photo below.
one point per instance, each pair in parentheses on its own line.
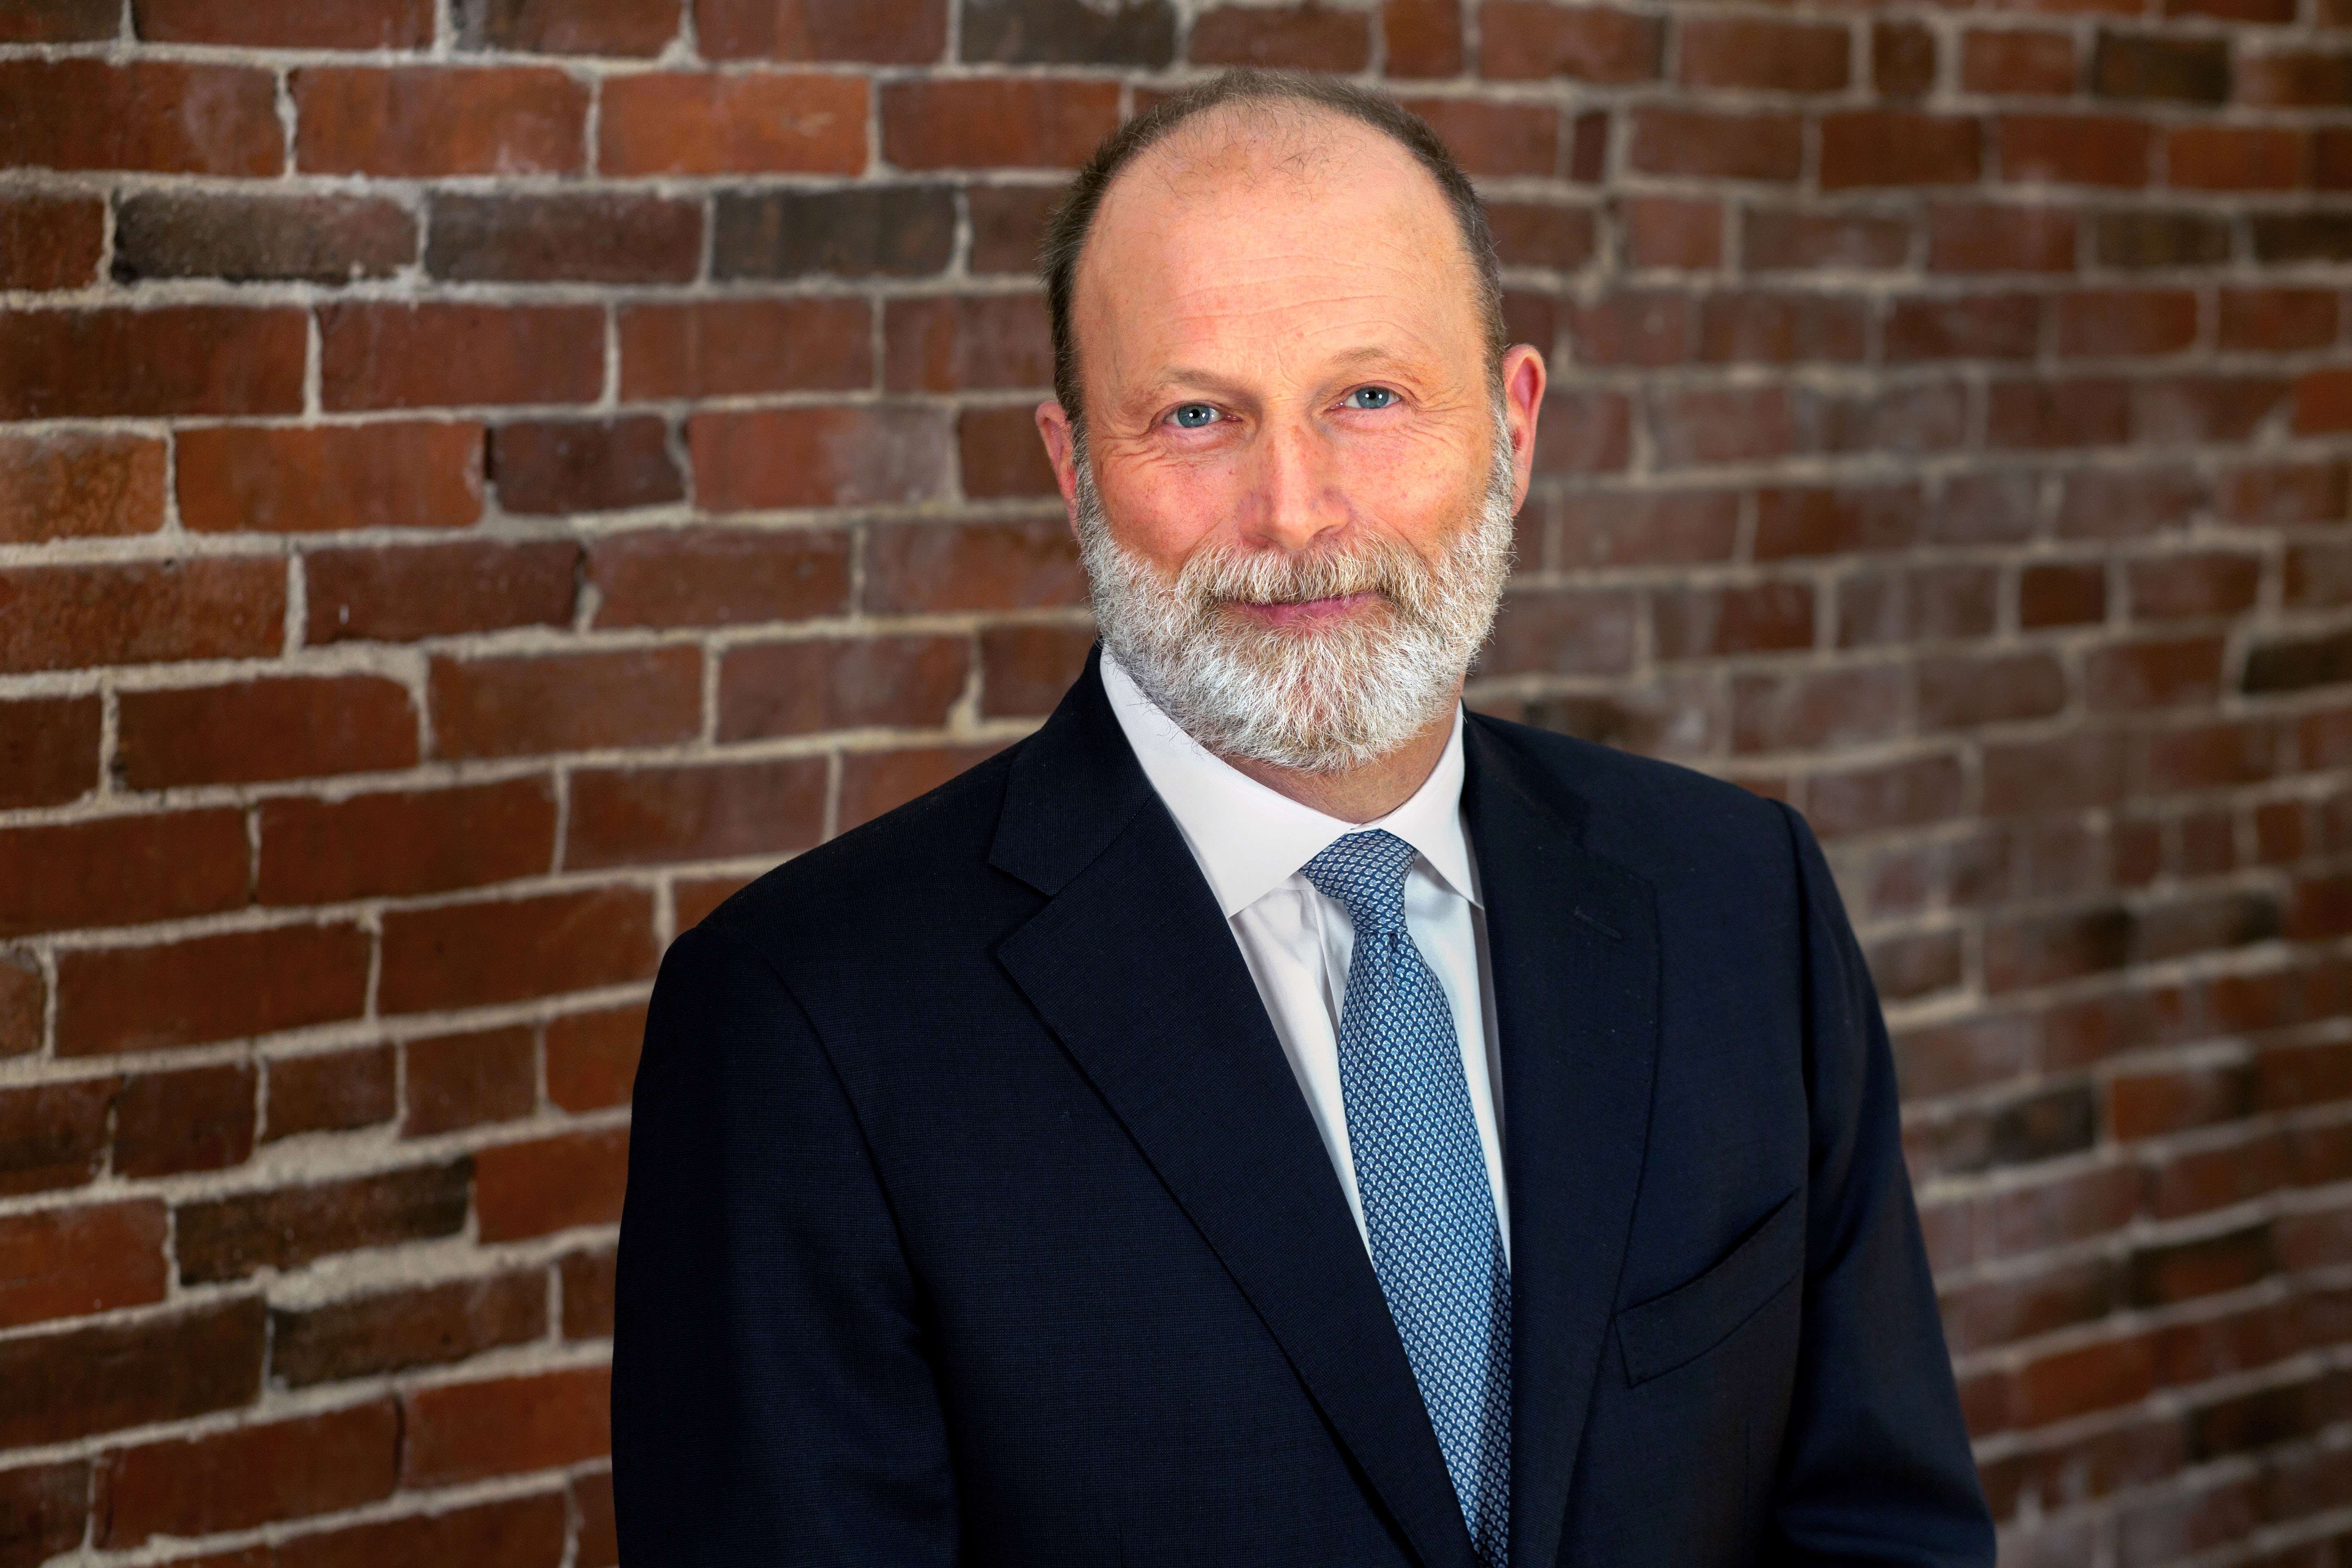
(479,482)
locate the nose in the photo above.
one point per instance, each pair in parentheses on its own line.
(1295,496)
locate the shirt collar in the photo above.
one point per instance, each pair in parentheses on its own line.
(1250,839)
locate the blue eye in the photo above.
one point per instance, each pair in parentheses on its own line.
(1370,397)
(1193,416)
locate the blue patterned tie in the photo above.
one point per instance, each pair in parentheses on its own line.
(1423,1177)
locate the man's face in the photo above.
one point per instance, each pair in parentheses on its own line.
(1296,473)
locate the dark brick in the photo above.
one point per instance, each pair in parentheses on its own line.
(636,28)
(49,752)
(199,1119)
(2152,66)
(43,1507)
(438,590)
(245,240)
(598,237)
(889,231)
(230,1237)
(56,1387)
(393,1330)
(54,1134)
(895,32)
(1069,32)
(329,1092)
(577,466)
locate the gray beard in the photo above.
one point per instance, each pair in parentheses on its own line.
(1317,700)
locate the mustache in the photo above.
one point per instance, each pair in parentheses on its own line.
(1215,577)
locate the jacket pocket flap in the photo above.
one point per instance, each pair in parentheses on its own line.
(1664,1331)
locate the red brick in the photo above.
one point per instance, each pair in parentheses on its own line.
(1565,631)
(1026,669)
(466,1431)
(1645,327)
(2003,1312)
(161,116)
(393,1330)
(421,122)
(437,590)
(898,32)
(931,567)
(330,1091)
(250,1475)
(1885,147)
(2053,413)
(54,1134)
(1962,693)
(2155,673)
(1698,623)
(2319,574)
(66,1263)
(463,1080)
(2062,595)
(560,703)
(1813,711)
(1667,231)
(2074,149)
(1932,604)
(551,1183)
(512,1532)
(43,1507)
(1889,794)
(235,479)
(1423,36)
(566,237)
(229,1237)
(1722,425)
(2288,493)
(723,812)
(287,23)
(591,1500)
(2145,1105)
(592,1062)
(1902,58)
(1537,234)
(996,121)
(1716,146)
(2277,320)
(2178,587)
(49,752)
(874,782)
(955,342)
(2016,61)
(170,360)
(1775,240)
(800,687)
(2209,754)
(480,954)
(23,1009)
(1528,39)
(403,843)
(2323,402)
(850,456)
(1780,329)
(2000,239)
(2202,408)
(205,988)
(999,454)
(2237,157)
(1604,527)
(120,870)
(1585,432)
(582,465)
(1758,52)
(245,240)
(50,242)
(718,576)
(393,355)
(701,123)
(1305,37)
(75,484)
(2118,322)
(2117,504)
(717,348)
(140,612)
(1494,138)
(1964,326)
(304,727)
(626,27)
(58,1386)
(694,898)
(2296,80)
(2138,240)
(197,1119)
(1792,522)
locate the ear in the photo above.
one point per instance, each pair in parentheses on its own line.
(1523,393)
(1054,429)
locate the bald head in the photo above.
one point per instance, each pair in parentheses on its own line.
(1266,128)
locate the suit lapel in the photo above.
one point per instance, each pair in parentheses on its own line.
(1573,940)
(1132,967)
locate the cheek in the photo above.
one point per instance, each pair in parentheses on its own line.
(1419,491)
(1164,513)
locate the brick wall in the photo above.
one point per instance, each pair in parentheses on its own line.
(484,479)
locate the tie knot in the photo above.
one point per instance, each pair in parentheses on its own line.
(1365,872)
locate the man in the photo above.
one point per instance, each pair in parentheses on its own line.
(1267,1116)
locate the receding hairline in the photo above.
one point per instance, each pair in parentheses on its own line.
(1292,103)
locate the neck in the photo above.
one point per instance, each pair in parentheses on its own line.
(1366,792)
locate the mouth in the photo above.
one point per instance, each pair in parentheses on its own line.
(1306,611)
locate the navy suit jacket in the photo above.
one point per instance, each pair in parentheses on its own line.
(974,1214)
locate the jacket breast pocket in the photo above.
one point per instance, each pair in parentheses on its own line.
(1667,1332)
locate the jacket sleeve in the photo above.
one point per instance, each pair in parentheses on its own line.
(771,1399)
(1875,1467)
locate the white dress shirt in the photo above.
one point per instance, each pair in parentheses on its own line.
(1250,842)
